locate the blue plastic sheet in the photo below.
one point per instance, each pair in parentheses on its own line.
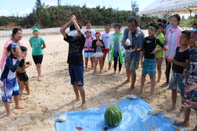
(135,118)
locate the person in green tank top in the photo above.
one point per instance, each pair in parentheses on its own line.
(160,56)
(37,43)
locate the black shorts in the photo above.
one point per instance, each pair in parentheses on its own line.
(22,76)
(38,59)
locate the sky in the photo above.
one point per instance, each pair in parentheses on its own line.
(24,7)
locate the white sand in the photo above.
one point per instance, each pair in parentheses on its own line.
(53,94)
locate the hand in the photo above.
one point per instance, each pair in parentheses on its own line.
(133,50)
(155,51)
(189,104)
(185,73)
(191,86)
(165,42)
(73,18)
(170,59)
(142,63)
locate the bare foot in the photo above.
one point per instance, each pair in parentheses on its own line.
(149,97)
(19,107)
(74,101)
(172,108)
(179,114)
(125,82)
(83,107)
(132,88)
(39,79)
(10,115)
(140,93)
(184,124)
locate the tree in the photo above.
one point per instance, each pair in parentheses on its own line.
(58,2)
(38,5)
(134,8)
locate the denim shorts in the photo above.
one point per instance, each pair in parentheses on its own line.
(76,74)
(176,83)
(88,54)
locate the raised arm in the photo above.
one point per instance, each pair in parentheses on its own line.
(77,27)
(63,28)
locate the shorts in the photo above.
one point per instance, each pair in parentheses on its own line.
(149,67)
(176,83)
(98,54)
(38,59)
(10,88)
(161,54)
(131,64)
(22,76)
(76,74)
(88,54)
(106,51)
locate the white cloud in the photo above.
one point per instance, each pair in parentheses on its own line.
(16,12)
(50,3)
(4,13)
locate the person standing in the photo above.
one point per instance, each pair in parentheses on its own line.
(133,40)
(172,40)
(38,44)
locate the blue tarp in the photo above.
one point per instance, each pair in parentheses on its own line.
(135,118)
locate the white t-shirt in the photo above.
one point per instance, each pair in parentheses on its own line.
(93,32)
(107,39)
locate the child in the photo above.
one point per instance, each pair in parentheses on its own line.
(159,57)
(180,61)
(149,63)
(106,37)
(8,77)
(117,51)
(98,46)
(21,73)
(191,77)
(37,43)
(76,42)
(88,50)
(172,41)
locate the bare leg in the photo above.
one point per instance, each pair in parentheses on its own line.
(92,62)
(7,108)
(174,97)
(27,87)
(82,92)
(142,84)
(17,103)
(109,66)
(22,85)
(128,76)
(86,63)
(153,82)
(103,60)
(38,66)
(100,63)
(75,88)
(185,123)
(159,64)
(96,62)
(133,79)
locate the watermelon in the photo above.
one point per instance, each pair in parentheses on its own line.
(113,116)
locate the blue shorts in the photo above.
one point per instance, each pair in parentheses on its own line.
(88,54)
(149,67)
(76,74)
(176,83)
(10,88)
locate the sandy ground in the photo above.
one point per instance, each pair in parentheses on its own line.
(53,94)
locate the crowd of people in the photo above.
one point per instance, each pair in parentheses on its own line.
(131,48)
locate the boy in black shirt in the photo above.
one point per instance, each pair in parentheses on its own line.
(149,63)
(180,62)
(76,42)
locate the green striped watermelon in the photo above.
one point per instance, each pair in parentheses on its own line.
(113,116)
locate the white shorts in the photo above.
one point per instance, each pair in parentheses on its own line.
(98,54)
